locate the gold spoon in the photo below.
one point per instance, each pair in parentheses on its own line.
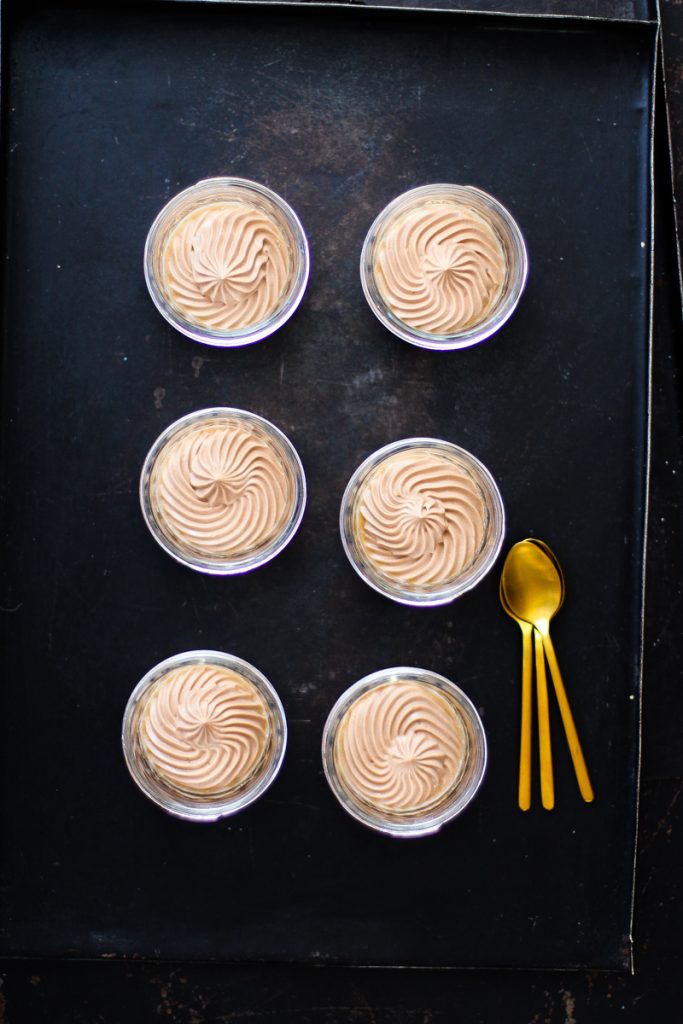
(540,661)
(544,745)
(553,558)
(524,788)
(534,590)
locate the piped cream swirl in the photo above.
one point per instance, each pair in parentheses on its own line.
(204,729)
(422,518)
(221,489)
(440,267)
(401,747)
(226,266)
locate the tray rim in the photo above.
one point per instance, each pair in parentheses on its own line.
(460,11)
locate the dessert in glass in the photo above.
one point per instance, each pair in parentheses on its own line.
(404,751)
(422,521)
(444,266)
(204,735)
(222,491)
(226,261)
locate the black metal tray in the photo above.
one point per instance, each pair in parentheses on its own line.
(109,111)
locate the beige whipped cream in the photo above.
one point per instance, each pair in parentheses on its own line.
(226,266)
(422,519)
(440,267)
(204,729)
(220,489)
(401,747)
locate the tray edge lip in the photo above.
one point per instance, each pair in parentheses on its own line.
(467,12)
(656,66)
(678,240)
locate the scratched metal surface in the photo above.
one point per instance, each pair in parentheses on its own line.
(339,112)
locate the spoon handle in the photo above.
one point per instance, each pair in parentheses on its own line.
(544,748)
(575,750)
(524,797)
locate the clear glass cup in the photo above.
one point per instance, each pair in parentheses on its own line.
(438,593)
(505,229)
(193,807)
(430,820)
(251,559)
(204,193)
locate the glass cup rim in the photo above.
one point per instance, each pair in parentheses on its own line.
(396,592)
(226,567)
(503,309)
(247,335)
(454,804)
(182,806)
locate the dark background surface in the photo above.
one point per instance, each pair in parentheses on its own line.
(113,991)
(339,111)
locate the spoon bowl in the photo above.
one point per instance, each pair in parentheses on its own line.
(553,558)
(531,583)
